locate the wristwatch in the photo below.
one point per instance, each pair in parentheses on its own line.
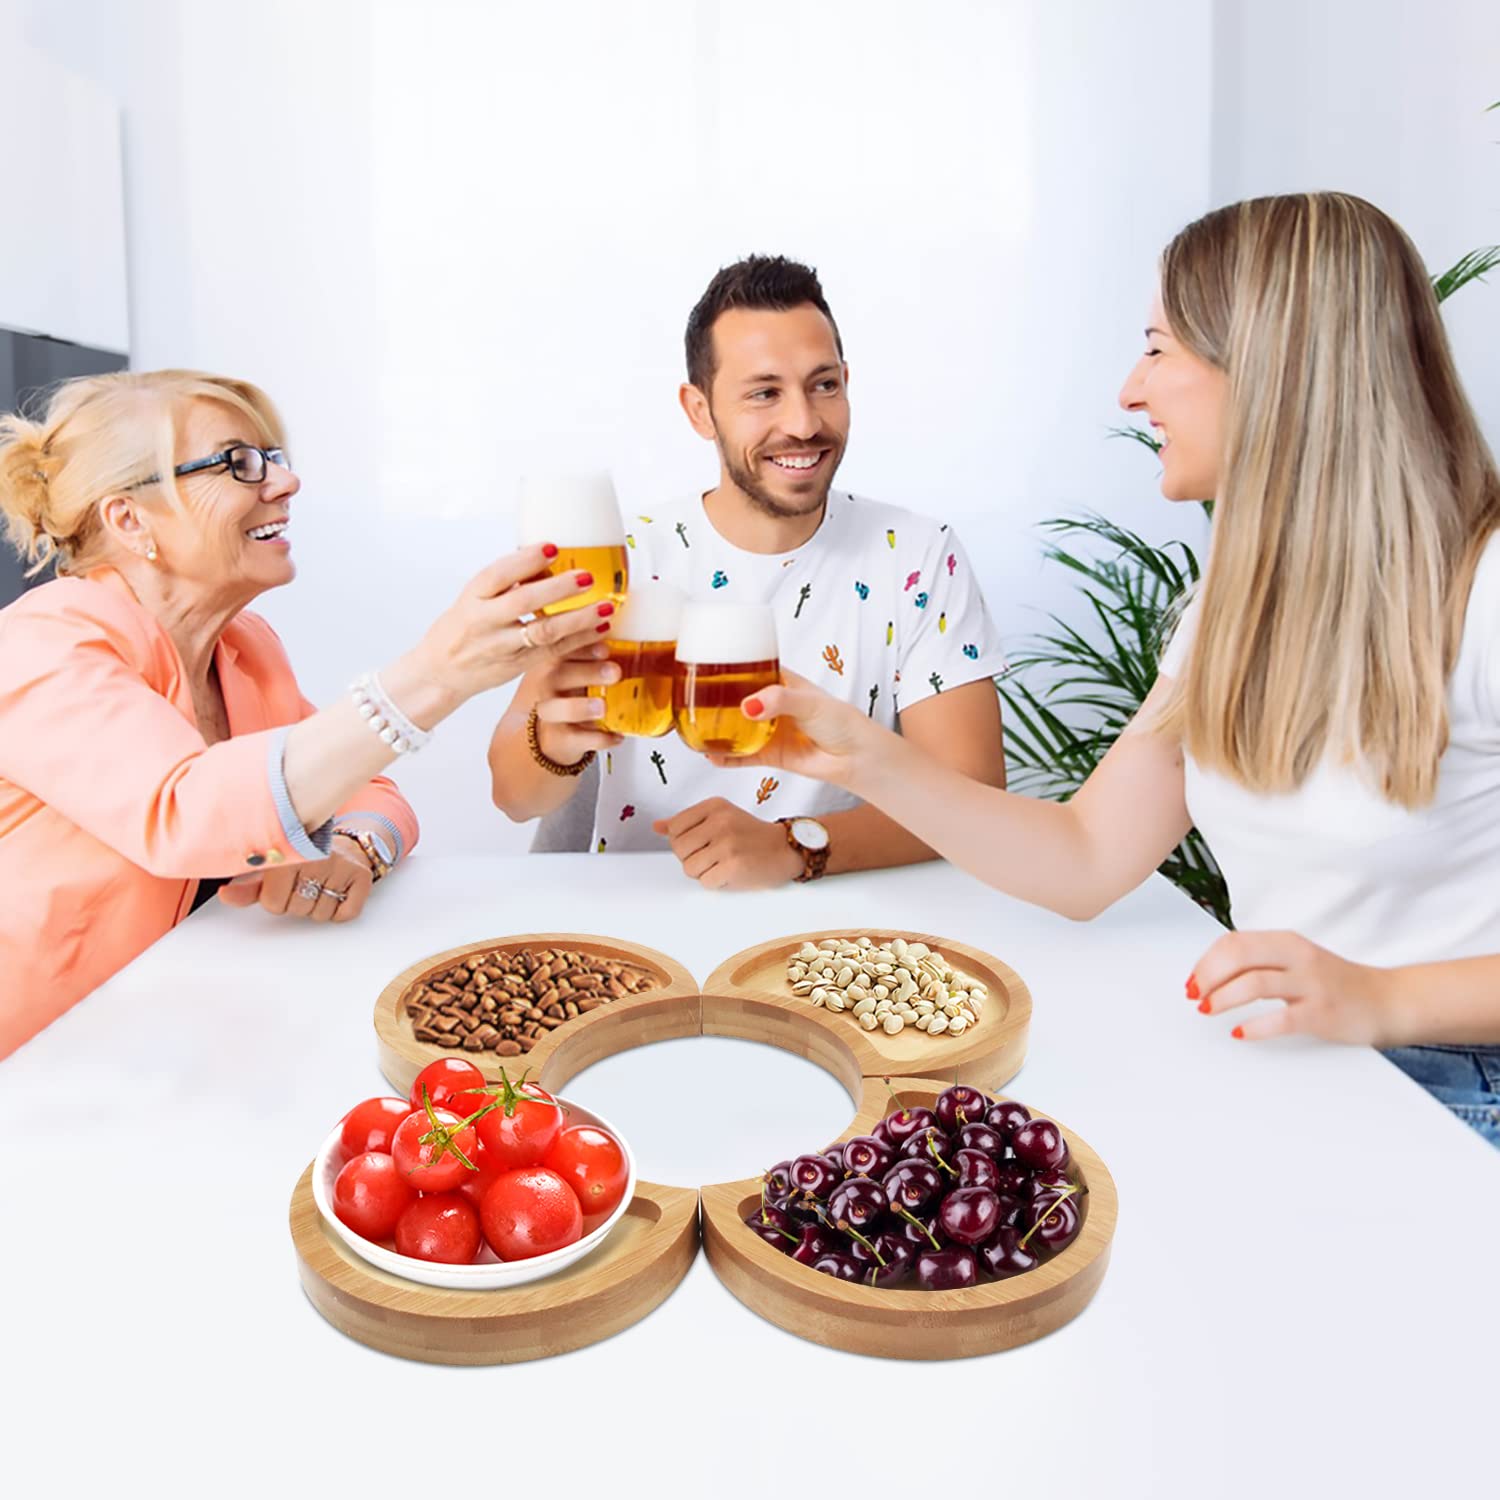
(810,839)
(373,848)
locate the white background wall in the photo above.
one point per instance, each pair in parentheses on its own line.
(458,240)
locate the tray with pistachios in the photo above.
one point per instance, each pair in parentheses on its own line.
(889,1003)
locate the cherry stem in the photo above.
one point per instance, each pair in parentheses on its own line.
(1051,1209)
(936,1155)
(920,1225)
(900,1107)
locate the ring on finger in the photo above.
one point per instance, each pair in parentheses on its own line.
(310,890)
(337,897)
(526,636)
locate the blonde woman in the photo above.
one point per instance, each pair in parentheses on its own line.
(153,741)
(1328,711)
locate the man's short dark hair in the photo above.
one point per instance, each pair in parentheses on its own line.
(769,282)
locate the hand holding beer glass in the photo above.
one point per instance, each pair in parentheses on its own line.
(725,652)
(643,644)
(580,516)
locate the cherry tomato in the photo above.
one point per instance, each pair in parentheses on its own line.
(370,1125)
(440,1226)
(435,1165)
(451,1083)
(369,1195)
(476,1184)
(530,1211)
(591,1161)
(521,1128)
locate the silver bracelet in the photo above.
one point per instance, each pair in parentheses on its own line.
(378,710)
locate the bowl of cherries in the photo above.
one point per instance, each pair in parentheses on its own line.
(470,1184)
(953,1223)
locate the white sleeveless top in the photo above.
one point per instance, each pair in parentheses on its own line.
(1370,880)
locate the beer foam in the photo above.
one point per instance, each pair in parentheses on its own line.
(650,613)
(572,510)
(726,633)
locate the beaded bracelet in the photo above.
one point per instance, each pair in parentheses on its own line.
(381,714)
(534,744)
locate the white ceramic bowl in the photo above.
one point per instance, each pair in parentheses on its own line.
(488,1273)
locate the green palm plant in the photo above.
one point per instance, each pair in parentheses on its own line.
(1069,692)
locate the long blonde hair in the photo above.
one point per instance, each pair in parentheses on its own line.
(98,436)
(1356,494)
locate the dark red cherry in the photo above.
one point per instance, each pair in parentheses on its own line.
(969,1216)
(836,1263)
(1002,1255)
(899,1258)
(960,1105)
(920,1231)
(815,1174)
(834,1156)
(946,1270)
(868,1156)
(778,1239)
(980,1137)
(912,1184)
(1013,1178)
(1006,1116)
(922,1145)
(975,1169)
(905,1123)
(1012,1210)
(857,1202)
(1057,1222)
(816,1241)
(1039,1144)
(778,1180)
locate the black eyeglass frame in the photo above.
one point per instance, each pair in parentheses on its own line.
(225,458)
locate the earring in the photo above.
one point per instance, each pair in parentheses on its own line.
(151,552)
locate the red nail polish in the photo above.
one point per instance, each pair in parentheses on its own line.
(584,580)
(1203,1009)
(548,551)
(754,707)
(600,629)
(605,609)
(1192,987)
(1238,1033)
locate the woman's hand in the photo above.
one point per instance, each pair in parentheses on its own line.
(484,638)
(567,718)
(817,735)
(287,890)
(1326,996)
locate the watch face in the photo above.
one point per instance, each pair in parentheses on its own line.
(809,833)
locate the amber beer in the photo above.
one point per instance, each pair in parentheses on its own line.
(580,516)
(725,652)
(643,643)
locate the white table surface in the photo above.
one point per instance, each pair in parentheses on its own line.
(1303,1295)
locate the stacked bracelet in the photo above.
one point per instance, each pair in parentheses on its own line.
(381,714)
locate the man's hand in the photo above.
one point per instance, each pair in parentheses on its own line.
(724,848)
(280,890)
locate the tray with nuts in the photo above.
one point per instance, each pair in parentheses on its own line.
(895,1003)
(523,997)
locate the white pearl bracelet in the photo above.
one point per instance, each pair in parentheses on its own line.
(381,714)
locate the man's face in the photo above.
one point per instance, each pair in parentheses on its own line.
(779,406)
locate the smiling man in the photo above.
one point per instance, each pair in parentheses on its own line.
(875,604)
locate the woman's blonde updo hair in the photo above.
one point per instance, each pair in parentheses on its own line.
(99,436)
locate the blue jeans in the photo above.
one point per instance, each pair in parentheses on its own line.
(1466,1079)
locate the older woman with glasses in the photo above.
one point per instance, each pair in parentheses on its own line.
(154,745)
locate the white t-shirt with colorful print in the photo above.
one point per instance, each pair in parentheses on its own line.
(879,607)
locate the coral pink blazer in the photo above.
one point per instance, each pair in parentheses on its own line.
(112,806)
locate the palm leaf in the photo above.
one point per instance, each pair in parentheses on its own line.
(1472,267)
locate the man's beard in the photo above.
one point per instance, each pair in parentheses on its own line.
(766,502)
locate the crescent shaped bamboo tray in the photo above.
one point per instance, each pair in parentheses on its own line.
(658,1015)
(637,1268)
(910,1324)
(749,996)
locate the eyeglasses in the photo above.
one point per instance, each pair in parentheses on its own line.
(245,462)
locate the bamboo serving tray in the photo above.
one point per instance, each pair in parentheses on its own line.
(910,1324)
(749,996)
(661,1014)
(636,1269)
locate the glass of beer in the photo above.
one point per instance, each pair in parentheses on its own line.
(580,516)
(642,642)
(725,652)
